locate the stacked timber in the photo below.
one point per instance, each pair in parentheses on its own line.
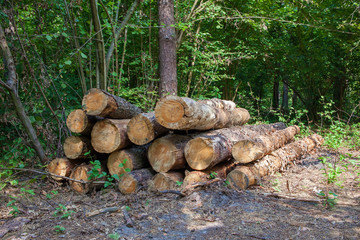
(127,142)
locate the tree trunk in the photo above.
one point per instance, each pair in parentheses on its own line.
(167,153)
(249,150)
(213,147)
(100,103)
(244,176)
(219,171)
(10,85)
(125,160)
(75,147)
(285,98)
(167,181)
(79,122)
(275,103)
(183,113)
(100,49)
(167,48)
(81,172)
(143,128)
(110,135)
(131,181)
(61,167)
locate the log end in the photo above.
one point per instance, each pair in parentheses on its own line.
(140,130)
(119,161)
(167,181)
(245,151)
(195,177)
(61,167)
(169,110)
(127,184)
(199,153)
(77,121)
(105,137)
(162,155)
(80,173)
(241,178)
(73,147)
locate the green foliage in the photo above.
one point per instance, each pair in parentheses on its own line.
(179,183)
(331,170)
(115,236)
(329,201)
(59,229)
(63,212)
(52,194)
(12,203)
(213,175)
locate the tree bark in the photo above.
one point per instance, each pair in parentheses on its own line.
(167,153)
(167,181)
(79,122)
(100,49)
(131,181)
(143,128)
(75,147)
(183,113)
(285,98)
(249,150)
(275,103)
(101,103)
(133,158)
(208,149)
(219,171)
(110,135)
(61,167)
(244,176)
(167,48)
(10,85)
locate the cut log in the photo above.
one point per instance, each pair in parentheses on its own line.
(167,181)
(100,103)
(131,181)
(218,103)
(122,161)
(143,128)
(167,153)
(79,122)
(249,150)
(210,148)
(219,171)
(244,176)
(81,172)
(75,147)
(110,135)
(61,167)
(181,113)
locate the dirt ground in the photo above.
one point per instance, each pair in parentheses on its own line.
(282,206)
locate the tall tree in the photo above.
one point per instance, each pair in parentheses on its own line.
(167,48)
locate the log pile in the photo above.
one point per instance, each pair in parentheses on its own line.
(127,142)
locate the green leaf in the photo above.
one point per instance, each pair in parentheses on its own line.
(48,37)
(68,62)
(83,55)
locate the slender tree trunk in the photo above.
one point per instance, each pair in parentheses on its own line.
(275,103)
(285,98)
(10,85)
(99,44)
(167,48)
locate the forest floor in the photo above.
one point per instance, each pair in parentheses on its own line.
(283,206)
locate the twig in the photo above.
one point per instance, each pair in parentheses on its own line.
(128,221)
(173,192)
(103,210)
(52,174)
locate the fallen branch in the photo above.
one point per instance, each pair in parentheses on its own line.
(52,174)
(103,210)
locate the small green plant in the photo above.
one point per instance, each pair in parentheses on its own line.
(329,202)
(51,194)
(179,183)
(276,185)
(213,175)
(59,229)
(226,183)
(63,211)
(331,170)
(12,203)
(127,208)
(115,236)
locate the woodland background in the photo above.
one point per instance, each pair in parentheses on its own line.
(290,61)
